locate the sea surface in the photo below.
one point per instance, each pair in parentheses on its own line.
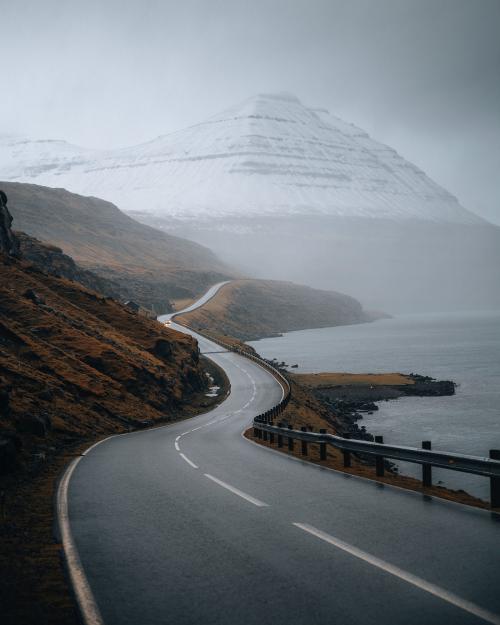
(463,347)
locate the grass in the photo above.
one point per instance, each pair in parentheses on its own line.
(319,380)
(252,309)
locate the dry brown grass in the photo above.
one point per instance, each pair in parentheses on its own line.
(180,304)
(319,380)
(84,359)
(251,309)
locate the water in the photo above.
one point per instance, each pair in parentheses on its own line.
(463,347)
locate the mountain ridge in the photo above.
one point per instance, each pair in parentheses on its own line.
(269,155)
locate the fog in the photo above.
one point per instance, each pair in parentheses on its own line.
(420,75)
(393,267)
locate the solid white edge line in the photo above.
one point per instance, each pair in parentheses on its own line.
(100,442)
(188,461)
(85,599)
(236,491)
(441,593)
(176,445)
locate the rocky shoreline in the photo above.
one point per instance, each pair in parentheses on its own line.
(348,402)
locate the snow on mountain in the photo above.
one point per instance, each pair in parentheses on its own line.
(270,155)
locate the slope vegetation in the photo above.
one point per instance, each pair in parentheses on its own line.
(148,265)
(75,364)
(252,309)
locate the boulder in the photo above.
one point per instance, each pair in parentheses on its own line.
(32,424)
(162,349)
(34,297)
(5,390)
(8,241)
(9,447)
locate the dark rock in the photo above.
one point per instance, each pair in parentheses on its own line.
(46,395)
(5,390)
(162,349)
(8,241)
(53,260)
(133,306)
(426,386)
(31,424)
(8,455)
(96,362)
(34,297)
(42,332)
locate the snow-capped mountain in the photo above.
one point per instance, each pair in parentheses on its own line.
(270,155)
(283,191)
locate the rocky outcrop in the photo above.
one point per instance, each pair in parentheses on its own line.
(8,241)
(75,364)
(54,261)
(348,402)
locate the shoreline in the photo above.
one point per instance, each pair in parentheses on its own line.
(349,396)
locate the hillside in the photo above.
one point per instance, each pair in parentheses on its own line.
(55,262)
(75,364)
(252,309)
(145,264)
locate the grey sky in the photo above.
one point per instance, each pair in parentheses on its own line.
(420,75)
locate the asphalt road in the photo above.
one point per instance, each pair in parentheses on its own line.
(192,524)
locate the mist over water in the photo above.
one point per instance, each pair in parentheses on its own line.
(463,347)
(394,266)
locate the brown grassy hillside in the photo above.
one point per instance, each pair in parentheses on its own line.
(74,364)
(152,266)
(252,309)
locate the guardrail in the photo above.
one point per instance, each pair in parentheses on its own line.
(488,467)
(276,410)
(263,425)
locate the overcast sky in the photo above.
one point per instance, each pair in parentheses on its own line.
(420,75)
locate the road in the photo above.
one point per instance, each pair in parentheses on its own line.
(192,524)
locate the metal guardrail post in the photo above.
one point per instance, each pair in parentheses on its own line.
(322,447)
(304,443)
(280,436)
(495,482)
(426,468)
(379,460)
(469,464)
(425,456)
(346,453)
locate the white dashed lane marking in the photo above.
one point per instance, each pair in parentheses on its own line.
(443,594)
(190,462)
(237,491)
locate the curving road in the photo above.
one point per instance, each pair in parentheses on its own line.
(192,524)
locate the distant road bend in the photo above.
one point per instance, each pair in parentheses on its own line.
(192,524)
